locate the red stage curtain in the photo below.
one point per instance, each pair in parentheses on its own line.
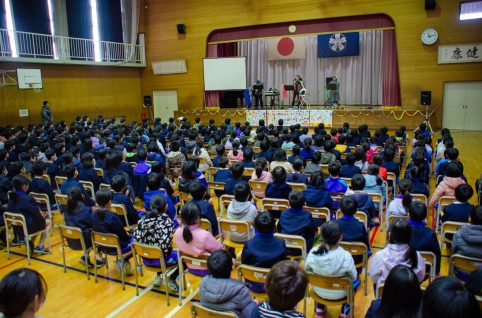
(390,79)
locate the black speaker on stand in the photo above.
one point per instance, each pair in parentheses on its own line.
(181,28)
(426,98)
(147,104)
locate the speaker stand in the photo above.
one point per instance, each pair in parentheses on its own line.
(427,120)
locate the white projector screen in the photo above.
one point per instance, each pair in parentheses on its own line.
(222,74)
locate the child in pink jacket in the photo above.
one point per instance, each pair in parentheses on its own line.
(260,174)
(452,180)
(192,240)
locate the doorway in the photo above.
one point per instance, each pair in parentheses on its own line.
(165,104)
(461,105)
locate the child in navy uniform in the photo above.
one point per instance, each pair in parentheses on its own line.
(119,185)
(297,175)
(459,210)
(219,154)
(263,250)
(364,200)
(423,238)
(197,191)
(278,189)
(296,221)
(39,185)
(237,170)
(222,174)
(154,181)
(348,170)
(316,194)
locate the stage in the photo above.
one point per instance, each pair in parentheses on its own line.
(374,116)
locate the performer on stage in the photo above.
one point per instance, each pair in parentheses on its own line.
(334,91)
(297,86)
(46,114)
(258,93)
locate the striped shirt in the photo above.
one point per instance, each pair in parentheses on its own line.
(265,311)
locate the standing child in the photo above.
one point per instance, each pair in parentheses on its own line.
(220,292)
(242,209)
(157,229)
(329,259)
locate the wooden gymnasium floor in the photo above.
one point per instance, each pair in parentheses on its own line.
(71,294)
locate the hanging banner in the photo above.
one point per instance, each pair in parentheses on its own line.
(460,53)
(254,116)
(319,116)
(289,116)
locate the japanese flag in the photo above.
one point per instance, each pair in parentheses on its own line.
(286,48)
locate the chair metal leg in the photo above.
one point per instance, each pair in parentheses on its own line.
(366,281)
(86,258)
(167,288)
(136,275)
(27,243)
(95,264)
(7,234)
(181,281)
(62,248)
(122,273)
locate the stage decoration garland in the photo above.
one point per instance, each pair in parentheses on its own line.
(213,113)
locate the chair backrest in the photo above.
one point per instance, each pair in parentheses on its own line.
(206,225)
(465,263)
(100,172)
(88,185)
(46,177)
(41,198)
(61,199)
(347,180)
(393,217)
(200,260)
(295,242)
(252,273)
(377,197)
(332,283)
(360,215)
(228,226)
(108,240)
(105,186)
(59,180)
(216,185)
(269,204)
(449,227)
(256,150)
(212,171)
(319,213)
(324,169)
(445,200)
(14,219)
(184,197)
(73,233)
(224,202)
(297,186)
(248,172)
(120,210)
(356,249)
(258,185)
(431,260)
(148,251)
(420,197)
(133,164)
(199,311)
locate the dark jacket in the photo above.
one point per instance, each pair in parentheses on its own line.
(457,212)
(5,187)
(353,230)
(80,218)
(39,185)
(229,185)
(425,239)
(297,177)
(298,222)
(263,250)
(278,190)
(468,241)
(28,207)
(132,215)
(317,197)
(365,204)
(348,171)
(171,209)
(375,306)
(90,174)
(111,223)
(207,212)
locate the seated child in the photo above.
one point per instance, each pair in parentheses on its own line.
(261,174)
(364,200)
(154,186)
(389,163)
(459,210)
(39,185)
(297,175)
(248,158)
(447,187)
(314,166)
(105,221)
(349,169)
(316,194)
(223,172)
(278,189)
(423,238)
(417,185)
(220,292)
(330,259)
(219,154)
(382,171)
(399,205)
(71,173)
(242,209)
(119,186)
(334,184)
(352,229)
(142,167)
(157,229)
(87,171)
(296,154)
(237,170)
(296,221)
(21,202)
(373,183)
(235,154)
(193,240)
(468,240)
(198,191)
(286,286)
(264,249)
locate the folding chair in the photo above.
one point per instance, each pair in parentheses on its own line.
(183,261)
(61,200)
(248,172)
(224,202)
(378,198)
(44,199)
(269,204)
(391,177)
(199,311)
(297,186)
(121,211)
(420,197)
(212,186)
(59,180)
(13,220)
(233,226)
(73,233)
(430,260)
(331,283)
(465,263)
(184,197)
(295,242)
(449,227)
(319,213)
(89,186)
(109,241)
(360,215)
(212,172)
(139,251)
(206,225)
(347,180)
(358,249)
(100,172)
(442,202)
(46,177)
(392,218)
(105,186)
(254,274)
(258,186)
(324,169)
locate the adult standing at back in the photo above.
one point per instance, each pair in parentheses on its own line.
(46,114)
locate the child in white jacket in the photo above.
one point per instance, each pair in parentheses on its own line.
(329,259)
(399,205)
(242,209)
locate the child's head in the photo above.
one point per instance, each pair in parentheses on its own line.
(141,154)
(190,215)
(223,161)
(39,168)
(373,169)
(220,264)
(298,165)
(404,188)
(154,181)
(70,171)
(476,215)
(453,170)
(74,196)
(158,206)
(331,235)
(417,211)
(189,170)
(358,182)
(103,198)
(248,155)
(317,180)
(22,291)
(87,160)
(264,223)
(237,170)
(334,169)
(400,232)
(452,153)
(316,158)
(350,159)
(463,192)
(118,183)
(279,175)
(297,199)
(197,189)
(286,285)
(242,192)
(348,205)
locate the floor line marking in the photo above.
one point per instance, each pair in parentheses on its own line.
(129,302)
(21,259)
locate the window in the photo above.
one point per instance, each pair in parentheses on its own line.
(470,10)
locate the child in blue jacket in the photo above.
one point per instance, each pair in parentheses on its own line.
(316,194)
(334,184)
(278,189)
(39,185)
(119,185)
(364,200)
(154,181)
